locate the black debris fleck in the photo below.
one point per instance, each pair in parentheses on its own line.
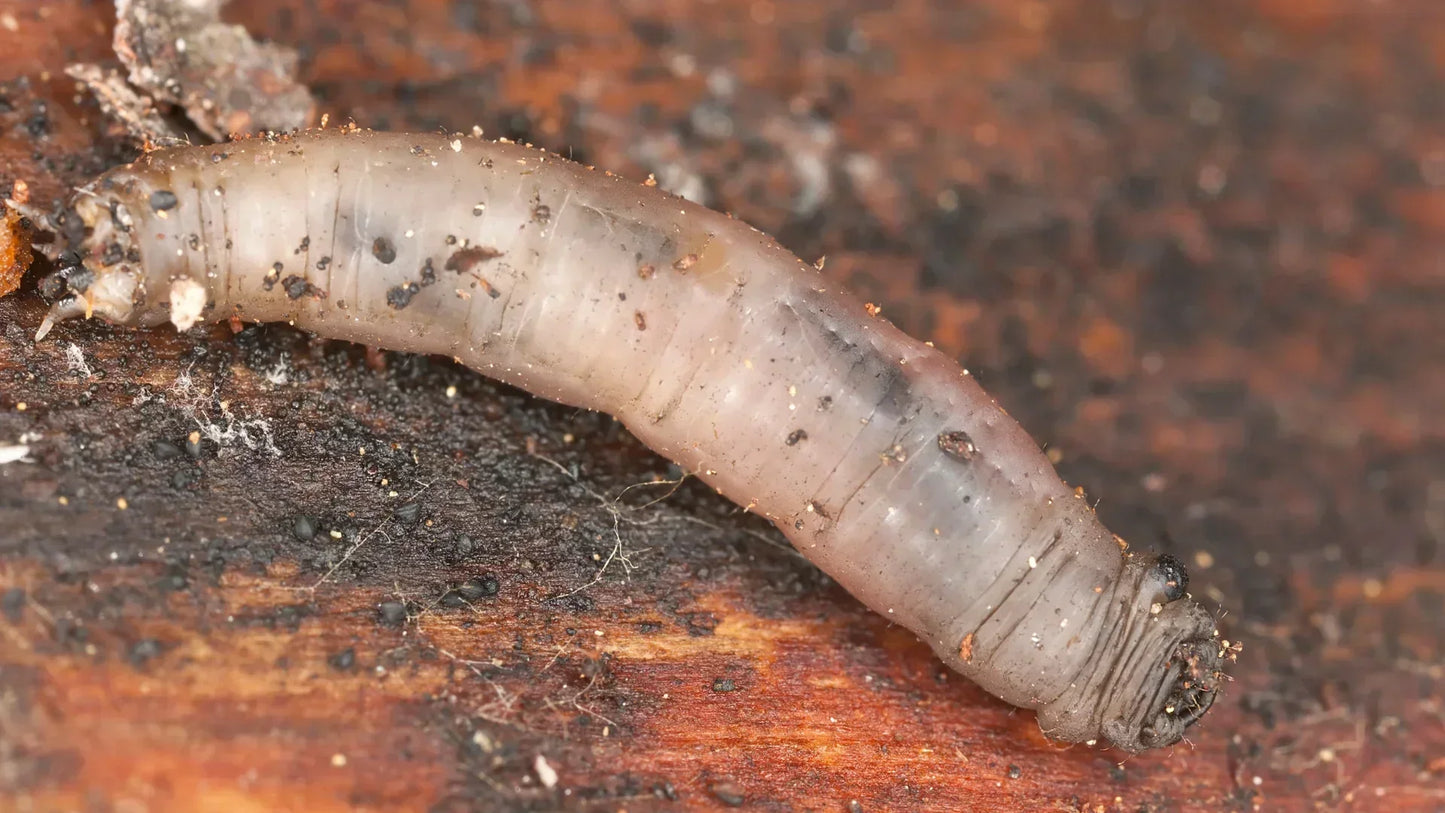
(163,200)
(303,528)
(1014,772)
(296,287)
(400,296)
(12,604)
(343,660)
(1175,575)
(383,250)
(408,514)
(392,613)
(474,589)
(165,450)
(665,791)
(143,651)
(174,581)
(795,436)
(724,685)
(110,255)
(729,793)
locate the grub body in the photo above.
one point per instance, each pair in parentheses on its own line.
(876,455)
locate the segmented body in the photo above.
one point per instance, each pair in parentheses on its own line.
(876,455)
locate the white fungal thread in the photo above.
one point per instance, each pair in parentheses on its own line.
(876,455)
(75,358)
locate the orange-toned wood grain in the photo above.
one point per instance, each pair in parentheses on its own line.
(1192,247)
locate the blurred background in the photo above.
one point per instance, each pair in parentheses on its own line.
(1195,248)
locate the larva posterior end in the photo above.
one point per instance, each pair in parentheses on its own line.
(1155,674)
(1197,678)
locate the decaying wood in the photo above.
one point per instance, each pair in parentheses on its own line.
(1196,251)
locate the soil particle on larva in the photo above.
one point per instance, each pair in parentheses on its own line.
(383,250)
(957,445)
(463,260)
(163,200)
(400,296)
(297,287)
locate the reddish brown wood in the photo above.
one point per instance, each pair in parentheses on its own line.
(1195,248)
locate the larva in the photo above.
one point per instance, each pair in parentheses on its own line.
(876,455)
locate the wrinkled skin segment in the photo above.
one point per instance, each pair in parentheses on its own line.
(878,457)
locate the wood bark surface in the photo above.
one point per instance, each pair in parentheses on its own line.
(1195,248)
